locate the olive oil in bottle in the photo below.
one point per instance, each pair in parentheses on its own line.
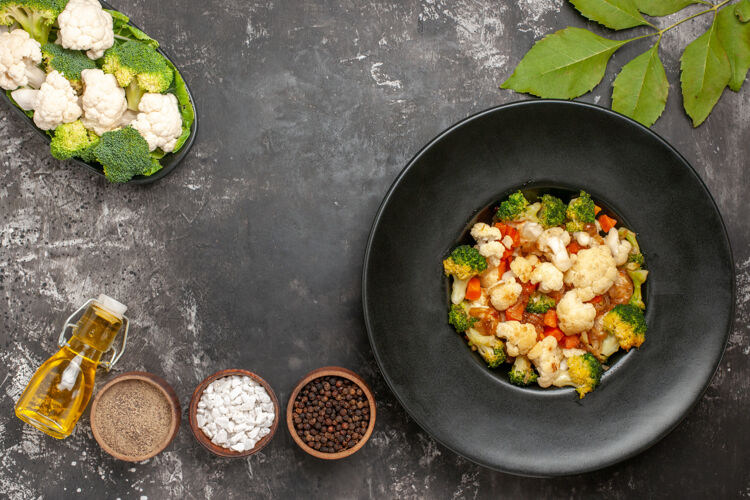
(61,388)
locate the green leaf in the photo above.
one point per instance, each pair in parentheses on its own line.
(742,11)
(735,38)
(663,7)
(640,90)
(615,14)
(705,72)
(125,31)
(564,65)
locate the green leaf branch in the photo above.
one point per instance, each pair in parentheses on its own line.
(571,62)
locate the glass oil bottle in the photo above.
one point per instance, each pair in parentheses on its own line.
(61,388)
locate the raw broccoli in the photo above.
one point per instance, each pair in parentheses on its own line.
(463,263)
(512,208)
(69,63)
(138,67)
(34,16)
(635,259)
(459,318)
(626,322)
(540,303)
(522,372)
(123,153)
(488,346)
(584,373)
(73,139)
(552,212)
(639,278)
(580,212)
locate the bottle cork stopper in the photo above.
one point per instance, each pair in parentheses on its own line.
(111,305)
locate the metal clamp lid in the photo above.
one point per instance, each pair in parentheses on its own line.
(116,354)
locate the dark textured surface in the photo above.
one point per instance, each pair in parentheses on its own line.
(249,255)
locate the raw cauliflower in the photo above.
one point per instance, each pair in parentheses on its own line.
(547,358)
(519,337)
(20,56)
(484,233)
(553,242)
(619,249)
(573,314)
(505,294)
(594,269)
(55,103)
(522,267)
(549,278)
(160,122)
(103,100)
(84,25)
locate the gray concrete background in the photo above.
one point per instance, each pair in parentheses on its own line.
(249,255)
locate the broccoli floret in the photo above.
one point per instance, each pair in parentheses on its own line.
(540,303)
(138,67)
(580,212)
(635,259)
(34,16)
(522,372)
(639,278)
(513,207)
(488,346)
(73,140)
(459,318)
(69,63)
(627,323)
(585,372)
(463,263)
(123,153)
(552,212)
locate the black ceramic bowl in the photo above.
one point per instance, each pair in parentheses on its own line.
(169,162)
(550,145)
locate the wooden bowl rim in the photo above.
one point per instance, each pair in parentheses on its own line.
(335,371)
(169,394)
(201,436)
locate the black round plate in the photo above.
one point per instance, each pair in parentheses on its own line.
(556,144)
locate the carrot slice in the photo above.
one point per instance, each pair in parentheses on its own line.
(574,247)
(571,342)
(607,223)
(597,209)
(596,299)
(514,235)
(473,289)
(502,267)
(502,227)
(515,312)
(555,332)
(529,288)
(550,318)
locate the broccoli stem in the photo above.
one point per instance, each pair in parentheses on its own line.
(36,25)
(133,93)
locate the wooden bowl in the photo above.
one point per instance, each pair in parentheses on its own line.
(168,393)
(331,371)
(206,441)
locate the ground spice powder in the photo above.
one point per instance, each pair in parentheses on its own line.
(133,418)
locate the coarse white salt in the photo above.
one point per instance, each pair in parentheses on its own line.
(235,412)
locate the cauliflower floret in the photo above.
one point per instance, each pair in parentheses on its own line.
(546,357)
(493,251)
(84,25)
(594,269)
(523,267)
(484,233)
(55,103)
(553,242)
(104,101)
(530,232)
(549,277)
(573,315)
(20,56)
(519,337)
(505,294)
(160,123)
(582,238)
(620,249)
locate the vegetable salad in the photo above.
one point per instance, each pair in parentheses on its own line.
(553,289)
(96,84)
